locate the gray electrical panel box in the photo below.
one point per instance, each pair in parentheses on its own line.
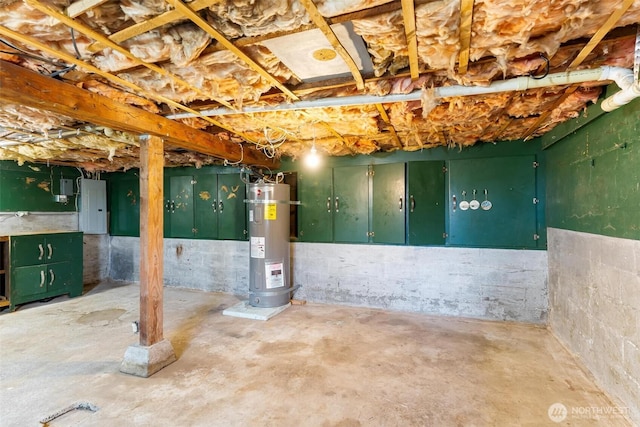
(66,187)
(93,206)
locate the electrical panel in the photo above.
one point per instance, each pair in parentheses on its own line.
(93,206)
(66,187)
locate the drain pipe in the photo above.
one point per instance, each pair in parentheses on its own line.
(630,91)
(622,76)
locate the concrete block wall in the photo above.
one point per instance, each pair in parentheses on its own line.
(594,293)
(96,257)
(491,284)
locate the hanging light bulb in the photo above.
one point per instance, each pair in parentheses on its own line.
(312,159)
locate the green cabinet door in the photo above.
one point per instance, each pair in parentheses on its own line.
(61,277)
(231,207)
(206,206)
(124,216)
(63,247)
(426,203)
(315,213)
(28,250)
(180,207)
(511,188)
(28,281)
(351,204)
(388,208)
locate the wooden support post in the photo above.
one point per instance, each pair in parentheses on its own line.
(151,249)
(154,352)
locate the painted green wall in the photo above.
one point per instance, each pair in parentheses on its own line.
(593,176)
(31,187)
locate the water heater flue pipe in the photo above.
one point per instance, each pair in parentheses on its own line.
(622,76)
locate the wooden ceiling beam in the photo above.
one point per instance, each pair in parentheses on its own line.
(601,33)
(582,55)
(466,19)
(151,24)
(79,7)
(25,87)
(409,18)
(113,78)
(387,120)
(543,117)
(104,40)
(323,26)
(204,25)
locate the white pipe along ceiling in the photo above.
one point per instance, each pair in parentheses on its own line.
(623,77)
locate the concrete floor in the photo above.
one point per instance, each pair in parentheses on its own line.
(312,365)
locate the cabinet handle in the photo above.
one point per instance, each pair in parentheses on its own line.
(413,203)
(220,206)
(41,251)
(328,204)
(214,205)
(400,203)
(50,250)
(454,203)
(53,277)
(337,204)
(41,278)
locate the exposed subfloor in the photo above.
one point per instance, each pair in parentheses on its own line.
(312,365)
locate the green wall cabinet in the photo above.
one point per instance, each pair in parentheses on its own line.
(426,203)
(32,187)
(44,266)
(334,205)
(205,206)
(124,200)
(315,213)
(510,184)
(351,204)
(388,203)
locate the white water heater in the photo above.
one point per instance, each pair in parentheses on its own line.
(269,281)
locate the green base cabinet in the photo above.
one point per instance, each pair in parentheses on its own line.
(44,266)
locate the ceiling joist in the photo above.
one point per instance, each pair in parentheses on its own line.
(104,40)
(409,18)
(602,31)
(151,24)
(582,55)
(24,87)
(115,79)
(204,25)
(323,26)
(466,19)
(392,129)
(79,7)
